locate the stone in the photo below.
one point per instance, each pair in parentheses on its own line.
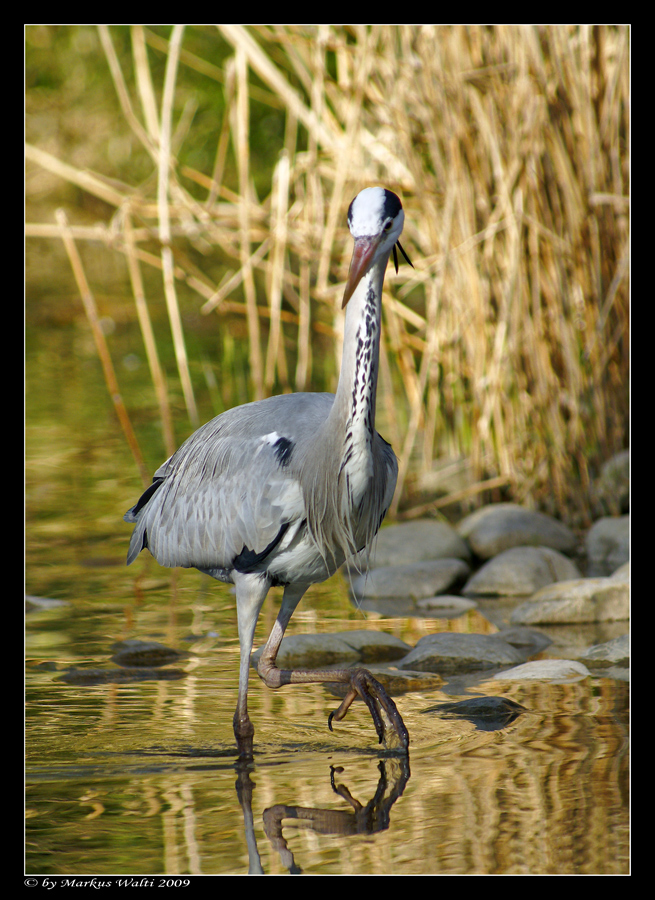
(394,680)
(144,653)
(577,601)
(611,490)
(527,640)
(608,544)
(311,651)
(447,604)
(520,571)
(450,653)
(412,542)
(486,713)
(557,670)
(612,653)
(424,579)
(500,526)
(375,646)
(315,651)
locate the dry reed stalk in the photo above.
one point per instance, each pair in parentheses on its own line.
(509,341)
(145,87)
(149,342)
(163,188)
(91,311)
(240,129)
(85,180)
(123,93)
(275,357)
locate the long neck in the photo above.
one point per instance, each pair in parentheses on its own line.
(353,412)
(341,492)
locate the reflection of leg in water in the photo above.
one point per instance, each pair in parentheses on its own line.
(368,819)
(244,788)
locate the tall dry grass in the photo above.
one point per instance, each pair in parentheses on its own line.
(508,344)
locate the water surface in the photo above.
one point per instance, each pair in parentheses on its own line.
(139,777)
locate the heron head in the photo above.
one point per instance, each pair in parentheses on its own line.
(376,219)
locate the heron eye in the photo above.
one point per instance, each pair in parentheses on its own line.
(388,224)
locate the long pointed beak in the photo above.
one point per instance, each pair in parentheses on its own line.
(363,254)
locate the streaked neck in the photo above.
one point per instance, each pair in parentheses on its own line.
(354,405)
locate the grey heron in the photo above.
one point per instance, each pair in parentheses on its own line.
(282,491)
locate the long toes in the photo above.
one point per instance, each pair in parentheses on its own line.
(387,720)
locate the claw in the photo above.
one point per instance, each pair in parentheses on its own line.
(380,705)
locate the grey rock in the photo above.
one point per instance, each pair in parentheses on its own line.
(608,545)
(577,601)
(556,670)
(412,542)
(374,646)
(611,491)
(311,651)
(394,680)
(424,579)
(527,640)
(520,572)
(449,653)
(144,653)
(486,713)
(500,526)
(314,651)
(447,604)
(612,653)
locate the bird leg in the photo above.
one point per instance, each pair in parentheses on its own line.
(390,728)
(251,593)
(388,722)
(244,733)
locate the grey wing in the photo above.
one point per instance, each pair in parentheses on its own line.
(230,493)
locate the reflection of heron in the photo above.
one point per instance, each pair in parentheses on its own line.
(361,819)
(283,490)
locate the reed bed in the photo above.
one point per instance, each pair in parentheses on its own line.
(508,343)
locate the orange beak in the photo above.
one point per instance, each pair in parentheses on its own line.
(363,254)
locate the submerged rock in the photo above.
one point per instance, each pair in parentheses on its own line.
(145,653)
(486,713)
(123,675)
(446,605)
(394,680)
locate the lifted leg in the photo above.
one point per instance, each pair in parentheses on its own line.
(388,722)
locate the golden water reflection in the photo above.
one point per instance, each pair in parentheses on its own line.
(141,778)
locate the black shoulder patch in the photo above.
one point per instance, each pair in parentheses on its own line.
(283,450)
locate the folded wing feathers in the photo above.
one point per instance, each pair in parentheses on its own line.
(237,481)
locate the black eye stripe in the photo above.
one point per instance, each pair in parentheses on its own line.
(377,204)
(392,204)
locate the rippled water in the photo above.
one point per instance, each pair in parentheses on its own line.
(139,778)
